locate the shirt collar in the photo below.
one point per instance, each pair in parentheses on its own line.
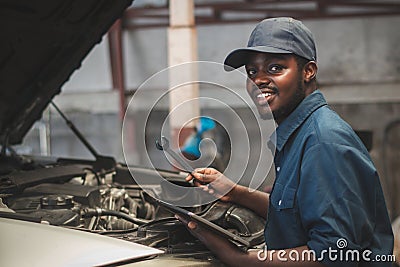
(311,103)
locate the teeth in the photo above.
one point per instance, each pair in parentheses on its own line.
(263,95)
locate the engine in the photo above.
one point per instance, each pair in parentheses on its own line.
(76,196)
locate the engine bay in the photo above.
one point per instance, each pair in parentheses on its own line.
(76,194)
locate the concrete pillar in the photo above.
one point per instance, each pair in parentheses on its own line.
(182,47)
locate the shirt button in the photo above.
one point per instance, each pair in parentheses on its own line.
(280,202)
(278,169)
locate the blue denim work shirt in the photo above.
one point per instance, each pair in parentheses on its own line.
(326,188)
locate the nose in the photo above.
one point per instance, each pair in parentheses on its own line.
(261,79)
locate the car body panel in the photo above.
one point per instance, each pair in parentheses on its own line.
(35,244)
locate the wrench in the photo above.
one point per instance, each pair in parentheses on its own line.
(164,145)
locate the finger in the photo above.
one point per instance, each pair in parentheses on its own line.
(199,176)
(210,171)
(192,226)
(198,183)
(200,170)
(204,187)
(207,178)
(207,188)
(189,178)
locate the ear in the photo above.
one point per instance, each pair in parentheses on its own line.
(310,71)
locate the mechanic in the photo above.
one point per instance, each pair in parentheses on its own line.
(327,198)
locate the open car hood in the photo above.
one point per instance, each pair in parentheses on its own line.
(43,42)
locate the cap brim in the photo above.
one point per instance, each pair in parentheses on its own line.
(239,57)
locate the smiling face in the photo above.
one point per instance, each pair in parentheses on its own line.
(276,80)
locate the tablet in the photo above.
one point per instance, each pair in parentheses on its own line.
(237,240)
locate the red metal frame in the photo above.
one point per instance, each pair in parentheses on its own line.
(117,66)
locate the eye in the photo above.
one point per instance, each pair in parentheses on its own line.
(251,72)
(275,68)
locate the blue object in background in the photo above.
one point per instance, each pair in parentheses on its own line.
(192,144)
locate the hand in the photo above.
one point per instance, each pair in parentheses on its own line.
(220,246)
(213,182)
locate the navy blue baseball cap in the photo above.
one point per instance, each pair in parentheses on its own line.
(282,35)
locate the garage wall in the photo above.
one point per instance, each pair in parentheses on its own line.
(360,50)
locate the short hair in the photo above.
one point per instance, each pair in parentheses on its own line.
(301,62)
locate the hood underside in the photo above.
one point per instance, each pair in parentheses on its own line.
(43,42)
